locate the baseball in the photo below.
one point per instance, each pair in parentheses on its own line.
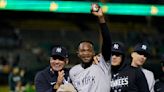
(95,7)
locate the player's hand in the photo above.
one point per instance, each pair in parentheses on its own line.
(96,10)
(96,59)
(60,77)
(68,87)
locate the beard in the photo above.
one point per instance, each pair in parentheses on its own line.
(87,64)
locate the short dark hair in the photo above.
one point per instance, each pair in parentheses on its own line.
(87,41)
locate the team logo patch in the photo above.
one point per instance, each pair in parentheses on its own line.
(116,46)
(144,47)
(58,50)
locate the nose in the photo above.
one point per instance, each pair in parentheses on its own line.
(86,52)
(143,57)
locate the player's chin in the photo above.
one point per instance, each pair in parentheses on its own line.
(141,62)
(115,64)
(86,60)
(57,68)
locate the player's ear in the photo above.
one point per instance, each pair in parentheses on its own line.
(132,54)
(77,52)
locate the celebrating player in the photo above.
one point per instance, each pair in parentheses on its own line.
(50,79)
(89,77)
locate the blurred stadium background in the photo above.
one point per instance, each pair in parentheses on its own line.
(28,32)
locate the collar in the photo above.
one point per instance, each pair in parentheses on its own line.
(86,65)
(52,73)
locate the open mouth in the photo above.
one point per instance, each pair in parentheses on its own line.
(86,58)
(57,66)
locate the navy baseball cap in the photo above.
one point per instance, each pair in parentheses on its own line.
(142,48)
(118,47)
(59,51)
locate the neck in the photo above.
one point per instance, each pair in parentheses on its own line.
(133,64)
(115,68)
(137,66)
(52,72)
(86,65)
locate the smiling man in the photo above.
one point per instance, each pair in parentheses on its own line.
(50,79)
(89,77)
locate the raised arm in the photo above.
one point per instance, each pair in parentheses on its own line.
(106,43)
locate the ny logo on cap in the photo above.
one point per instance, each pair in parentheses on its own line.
(58,50)
(144,47)
(116,46)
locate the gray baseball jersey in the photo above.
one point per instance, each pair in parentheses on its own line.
(150,79)
(95,78)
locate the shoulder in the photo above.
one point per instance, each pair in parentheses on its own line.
(39,76)
(147,71)
(137,71)
(134,68)
(67,69)
(102,60)
(75,67)
(148,74)
(41,73)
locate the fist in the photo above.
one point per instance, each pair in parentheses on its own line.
(95,7)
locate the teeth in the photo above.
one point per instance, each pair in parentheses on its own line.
(57,65)
(86,57)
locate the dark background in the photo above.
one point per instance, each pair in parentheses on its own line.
(26,37)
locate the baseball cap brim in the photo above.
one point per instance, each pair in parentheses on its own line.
(141,52)
(58,55)
(117,51)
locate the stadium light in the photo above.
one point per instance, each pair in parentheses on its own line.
(82,7)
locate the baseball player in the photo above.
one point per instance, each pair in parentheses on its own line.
(89,77)
(139,57)
(50,79)
(125,78)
